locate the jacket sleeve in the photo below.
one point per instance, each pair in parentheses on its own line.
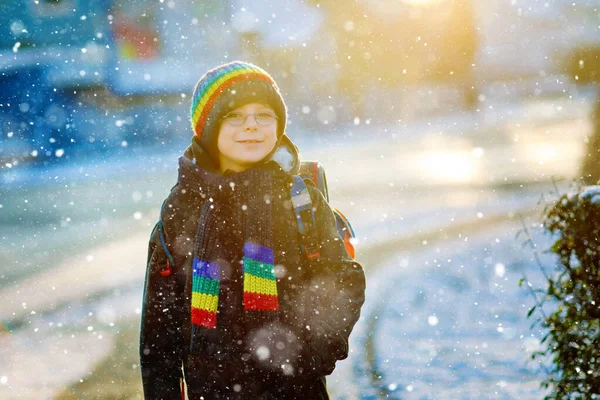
(161,341)
(335,294)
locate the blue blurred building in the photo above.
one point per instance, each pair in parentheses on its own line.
(93,75)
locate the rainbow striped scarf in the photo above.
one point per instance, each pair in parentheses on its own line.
(225,210)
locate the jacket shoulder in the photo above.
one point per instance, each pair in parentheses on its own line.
(178,211)
(180,199)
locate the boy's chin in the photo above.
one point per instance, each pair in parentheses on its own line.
(252,158)
(250,161)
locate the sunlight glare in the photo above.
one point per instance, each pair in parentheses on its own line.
(445,166)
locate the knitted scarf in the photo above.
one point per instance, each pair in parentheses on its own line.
(238,202)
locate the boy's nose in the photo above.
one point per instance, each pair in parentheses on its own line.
(250,122)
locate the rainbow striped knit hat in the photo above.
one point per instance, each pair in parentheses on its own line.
(226,88)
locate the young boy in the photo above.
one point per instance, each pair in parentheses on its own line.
(229,294)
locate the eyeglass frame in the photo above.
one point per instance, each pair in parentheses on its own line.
(275,118)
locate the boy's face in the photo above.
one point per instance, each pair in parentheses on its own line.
(241,146)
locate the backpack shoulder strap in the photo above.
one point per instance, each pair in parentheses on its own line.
(161,233)
(314,171)
(305,218)
(170,262)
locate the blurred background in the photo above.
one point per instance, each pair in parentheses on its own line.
(445,126)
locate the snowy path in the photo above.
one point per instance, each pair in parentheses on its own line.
(448,321)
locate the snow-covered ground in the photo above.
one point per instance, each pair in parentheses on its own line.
(62,345)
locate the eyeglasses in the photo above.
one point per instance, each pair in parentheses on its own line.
(237,118)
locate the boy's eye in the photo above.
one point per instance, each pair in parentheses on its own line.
(234,115)
(264,115)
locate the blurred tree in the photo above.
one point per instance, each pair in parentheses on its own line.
(590,169)
(583,63)
(399,42)
(355,41)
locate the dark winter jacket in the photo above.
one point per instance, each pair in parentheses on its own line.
(319,303)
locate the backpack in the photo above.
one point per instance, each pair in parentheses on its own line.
(311,172)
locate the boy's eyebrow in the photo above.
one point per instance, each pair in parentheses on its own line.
(261,108)
(265,107)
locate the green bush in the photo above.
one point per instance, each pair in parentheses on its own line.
(572,341)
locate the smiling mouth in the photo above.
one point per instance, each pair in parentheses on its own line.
(250,141)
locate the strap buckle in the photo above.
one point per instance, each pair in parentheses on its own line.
(167,271)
